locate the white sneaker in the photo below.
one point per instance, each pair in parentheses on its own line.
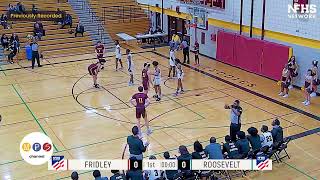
(313,94)
(281,94)
(149,131)
(304,101)
(307,103)
(285,96)
(290,87)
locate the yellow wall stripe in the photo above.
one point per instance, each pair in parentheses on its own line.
(256,31)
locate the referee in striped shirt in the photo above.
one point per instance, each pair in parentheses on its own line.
(35,53)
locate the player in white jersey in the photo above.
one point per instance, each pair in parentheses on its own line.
(180,75)
(172,63)
(153,174)
(118,54)
(266,137)
(157,80)
(130,66)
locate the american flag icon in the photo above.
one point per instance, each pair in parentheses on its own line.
(58,163)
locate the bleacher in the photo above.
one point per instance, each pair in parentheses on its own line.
(118,15)
(57,42)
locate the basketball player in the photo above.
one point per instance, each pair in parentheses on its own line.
(285,82)
(94,69)
(172,63)
(308,87)
(146,78)
(157,80)
(316,81)
(180,75)
(266,137)
(130,66)
(153,174)
(99,50)
(118,55)
(140,100)
(293,68)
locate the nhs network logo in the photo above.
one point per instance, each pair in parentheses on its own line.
(302,11)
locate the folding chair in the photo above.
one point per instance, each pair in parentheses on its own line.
(283,146)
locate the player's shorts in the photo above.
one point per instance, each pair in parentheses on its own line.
(172,63)
(99,56)
(286,84)
(157,81)
(118,57)
(309,90)
(140,112)
(180,76)
(145,86)
(92,73)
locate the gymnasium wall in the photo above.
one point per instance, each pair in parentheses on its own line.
(306,50)
(276,16)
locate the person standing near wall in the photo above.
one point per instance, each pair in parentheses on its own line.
(293,68)
(316,81)
(185,49)
(35,53)
(235,118)
(196,53)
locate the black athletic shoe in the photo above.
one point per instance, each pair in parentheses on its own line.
(96,86)
(158,99)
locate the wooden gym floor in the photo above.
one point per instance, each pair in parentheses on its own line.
(83,122)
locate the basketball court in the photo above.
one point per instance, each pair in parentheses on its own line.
(84,122)
(87,123)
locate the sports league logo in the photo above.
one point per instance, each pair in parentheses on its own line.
(263,163)
(58,163)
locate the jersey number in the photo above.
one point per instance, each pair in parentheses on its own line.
(140,100)
(269,138)
(143,74)
(156,173)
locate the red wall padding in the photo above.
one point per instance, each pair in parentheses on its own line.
(254,55)
(248,53)
(275,56)
(226,51)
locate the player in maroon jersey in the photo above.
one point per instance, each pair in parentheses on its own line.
(146,77)
(140,100)
(99,50)
(94,70)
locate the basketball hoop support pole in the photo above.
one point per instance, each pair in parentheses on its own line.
(162,15)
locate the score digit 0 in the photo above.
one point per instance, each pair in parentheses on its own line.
(184,164)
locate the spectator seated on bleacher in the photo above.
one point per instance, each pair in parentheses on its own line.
(67,21)
(34,9)
(4,21)
(230,149)
(5,42)
(15,39)
(277,132)
(38,30)
(13,51)
(254,138)
(79,30)
(11,8)
(20,8)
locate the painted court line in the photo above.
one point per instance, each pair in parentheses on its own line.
(249,91)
